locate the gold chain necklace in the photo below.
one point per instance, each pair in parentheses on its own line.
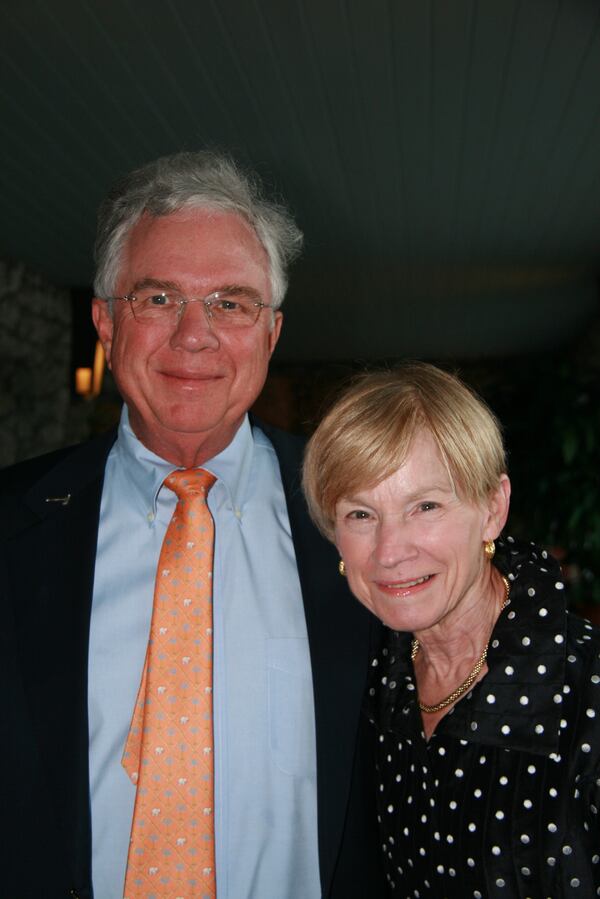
(456,694)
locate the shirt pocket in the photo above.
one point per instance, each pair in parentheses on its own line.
(291,706)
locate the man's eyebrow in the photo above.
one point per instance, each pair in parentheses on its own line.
(156,282)
(159,284)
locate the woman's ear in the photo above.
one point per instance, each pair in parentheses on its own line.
(497,506)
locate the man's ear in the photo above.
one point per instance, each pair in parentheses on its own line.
(104,324)
(498,505)
(275,331)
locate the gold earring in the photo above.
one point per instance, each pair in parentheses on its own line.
(342,568)
(489,548)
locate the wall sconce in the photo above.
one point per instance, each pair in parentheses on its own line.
(87,356)
(88,381)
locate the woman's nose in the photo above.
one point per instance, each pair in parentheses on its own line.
(394,544)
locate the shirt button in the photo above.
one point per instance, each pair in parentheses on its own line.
(150,516)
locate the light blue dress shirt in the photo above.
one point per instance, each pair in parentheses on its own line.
(265,758)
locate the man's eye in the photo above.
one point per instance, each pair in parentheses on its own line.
(157,299)
(228,306)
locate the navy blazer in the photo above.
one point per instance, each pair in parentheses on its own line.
(49,513)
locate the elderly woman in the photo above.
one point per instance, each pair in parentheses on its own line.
(484,695)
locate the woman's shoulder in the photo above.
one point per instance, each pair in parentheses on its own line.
(583,649)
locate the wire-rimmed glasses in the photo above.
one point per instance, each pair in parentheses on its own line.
(231,307)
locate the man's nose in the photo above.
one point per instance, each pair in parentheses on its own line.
(194,331)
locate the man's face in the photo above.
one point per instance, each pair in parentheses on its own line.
(188,385)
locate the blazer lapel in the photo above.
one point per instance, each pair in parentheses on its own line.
(50,566)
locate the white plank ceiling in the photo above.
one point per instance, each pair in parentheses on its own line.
(442,156)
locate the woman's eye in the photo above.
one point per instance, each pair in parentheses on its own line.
(427,506)
(358,515)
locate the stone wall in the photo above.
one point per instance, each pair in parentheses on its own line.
(35,353)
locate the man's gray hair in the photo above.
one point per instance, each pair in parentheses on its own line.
(200,180)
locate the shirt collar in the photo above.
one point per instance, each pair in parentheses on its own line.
(518,703)
(146,472)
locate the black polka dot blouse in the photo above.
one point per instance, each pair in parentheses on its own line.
(503,800)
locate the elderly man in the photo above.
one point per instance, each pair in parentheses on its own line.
(183,665)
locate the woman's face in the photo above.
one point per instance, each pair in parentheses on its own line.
(413,549)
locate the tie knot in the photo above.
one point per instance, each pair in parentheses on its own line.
(190,482)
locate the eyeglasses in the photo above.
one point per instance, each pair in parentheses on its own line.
(234,307)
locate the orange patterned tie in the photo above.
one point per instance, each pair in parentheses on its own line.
(169,749)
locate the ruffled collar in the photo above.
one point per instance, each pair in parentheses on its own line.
(518,703)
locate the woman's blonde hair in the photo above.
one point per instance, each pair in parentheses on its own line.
(368,432)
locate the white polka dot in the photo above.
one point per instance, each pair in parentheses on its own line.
(500,815)
(526,641)
(539,728)
(541,669)
(503,780)
(442,751)
(390,809)
(490,698)
(553,792)
(531,769)
(559,638)
(471,828)
(567,850)
(524,700)
(471,862)
(531,592)
(525,872)
(527,803)
(543,612)
(459,772)
(495,850)
(505,729)
(595,679)
(453,805)
(551,861)
(509,670)
(575,882)
(590,713)
(585,747)
(552,827)
(525,838)
(477,793)
(499,882)
(557,698)
(559,585)
(449,838)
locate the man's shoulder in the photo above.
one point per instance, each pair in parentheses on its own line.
(85,457)
(278,437)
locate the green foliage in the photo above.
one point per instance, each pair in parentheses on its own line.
(550,410)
